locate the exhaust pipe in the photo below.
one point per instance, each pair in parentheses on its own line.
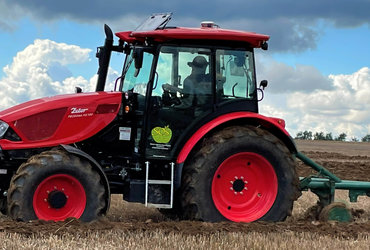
(104,53)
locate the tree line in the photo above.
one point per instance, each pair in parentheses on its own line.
(308,135)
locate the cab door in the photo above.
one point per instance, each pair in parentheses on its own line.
(174,106)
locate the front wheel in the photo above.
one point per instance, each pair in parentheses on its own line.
(55,186)
(241,174)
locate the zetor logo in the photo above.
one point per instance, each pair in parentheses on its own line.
(78,110)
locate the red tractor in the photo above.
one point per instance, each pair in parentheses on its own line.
(180,132)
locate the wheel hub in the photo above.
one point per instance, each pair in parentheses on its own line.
(239,185)
(57,199)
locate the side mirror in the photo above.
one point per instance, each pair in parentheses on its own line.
(263,84)
(264,45)
(138,57)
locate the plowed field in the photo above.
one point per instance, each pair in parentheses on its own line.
(134,226)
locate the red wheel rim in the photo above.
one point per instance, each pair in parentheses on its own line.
(59,197)
(244,187)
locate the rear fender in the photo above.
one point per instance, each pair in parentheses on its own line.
(275,126)
(96,166)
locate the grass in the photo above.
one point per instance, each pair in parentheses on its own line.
(158,240)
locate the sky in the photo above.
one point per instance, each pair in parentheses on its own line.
(317,65)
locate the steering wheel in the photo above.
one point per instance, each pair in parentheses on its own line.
(169,96)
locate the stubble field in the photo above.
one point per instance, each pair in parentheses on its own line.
(136,227)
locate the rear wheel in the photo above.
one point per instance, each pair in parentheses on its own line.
(241,174)
(55,186)
(3,206)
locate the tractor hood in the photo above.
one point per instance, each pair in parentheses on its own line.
(63,119)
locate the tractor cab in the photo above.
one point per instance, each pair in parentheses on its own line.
(175,80)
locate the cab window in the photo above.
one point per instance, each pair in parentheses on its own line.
(235,74)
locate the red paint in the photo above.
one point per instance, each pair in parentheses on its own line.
(244,187)
(266,121)
(42,125)
(63,119)
(194,34)
(65,184)
(107,108)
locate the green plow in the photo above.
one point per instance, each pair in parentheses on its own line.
(324,185)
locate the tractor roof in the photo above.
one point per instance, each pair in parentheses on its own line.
(204,33)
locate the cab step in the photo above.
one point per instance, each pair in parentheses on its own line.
(167,185)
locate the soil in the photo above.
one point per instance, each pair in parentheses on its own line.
(347,160)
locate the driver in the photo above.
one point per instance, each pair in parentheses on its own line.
(197,89)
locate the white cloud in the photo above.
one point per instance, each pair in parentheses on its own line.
(28,76)
(344,108)
(41,70)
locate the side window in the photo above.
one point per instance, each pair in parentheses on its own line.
(163,73)
(235,74)
(182,77)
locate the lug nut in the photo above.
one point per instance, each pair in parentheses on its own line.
(235,193)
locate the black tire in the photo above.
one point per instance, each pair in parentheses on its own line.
(175,212)
(197,197)
(51,167)
(3,206)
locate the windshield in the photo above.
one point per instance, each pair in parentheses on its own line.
(138,82)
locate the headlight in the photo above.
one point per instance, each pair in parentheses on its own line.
(3,128)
